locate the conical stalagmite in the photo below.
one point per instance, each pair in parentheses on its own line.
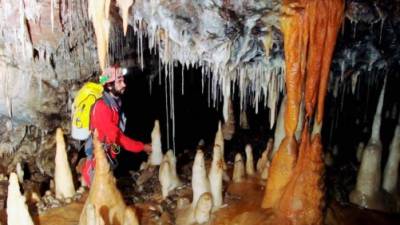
(249,161)
(238,169)
(391,174)
(360,151)
(264,160)
(164,176)
(202,212)
(367,191)
(219,138)
(62,175)
(215,177)
(167,174)
(200,183)
(17,210)
(172,163)
(104,195)
(156,155)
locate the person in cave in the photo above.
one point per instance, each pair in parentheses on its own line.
(107,118)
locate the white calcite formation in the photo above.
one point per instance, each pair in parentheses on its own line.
(367,192)
(167,174)
(202,212)
(238,169)
(164,176)
(200,183)
(156,155)
(391,173)
(64,184)
(172,163)
(249,161)
(215,177)
(17,210)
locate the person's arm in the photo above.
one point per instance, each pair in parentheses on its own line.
(102,120)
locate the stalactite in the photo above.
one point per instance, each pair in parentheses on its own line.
(124,6)
(294,188)
(98,11)
(244,123)
(228,128)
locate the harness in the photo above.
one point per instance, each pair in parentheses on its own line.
(109,149)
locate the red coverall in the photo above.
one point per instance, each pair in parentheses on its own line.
(105,119)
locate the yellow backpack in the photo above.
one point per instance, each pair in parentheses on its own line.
(81,109)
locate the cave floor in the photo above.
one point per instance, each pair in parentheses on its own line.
(242,201)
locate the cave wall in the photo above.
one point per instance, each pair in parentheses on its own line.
(47,48)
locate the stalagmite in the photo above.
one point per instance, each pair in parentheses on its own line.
(249,160)
(98,11)
(264,160)
(156,155)
(303,198)
(91,218)
(219,141)
(20,173)
(104,195)
(279,133)
(367,191)
(200,183)
(167,174)
(165,177)
(228,129)
(215,177)
(17,210)
(124,6)
(238,169)
(203,208)
(281,171)
(244,122)
(219,138)
(64,184)
(130,217)
(391,173)
(265,171)
(360,150)
(172,163)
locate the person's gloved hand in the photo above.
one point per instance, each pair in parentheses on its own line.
(147,148)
